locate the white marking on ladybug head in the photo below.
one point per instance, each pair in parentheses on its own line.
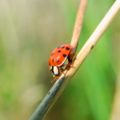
(55,70)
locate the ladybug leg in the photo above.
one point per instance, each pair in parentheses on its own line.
(71,60)
(71,57)
(54,79)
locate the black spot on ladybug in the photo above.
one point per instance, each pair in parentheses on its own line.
(67,48)
(59,51)
(62,47)
(64,55)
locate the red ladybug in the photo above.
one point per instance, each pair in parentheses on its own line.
(60,58)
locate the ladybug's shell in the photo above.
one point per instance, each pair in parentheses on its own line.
(59,55)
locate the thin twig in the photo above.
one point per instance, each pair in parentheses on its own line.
(103,25)
(47,102)
(78,24)
(51,96)
(58,87)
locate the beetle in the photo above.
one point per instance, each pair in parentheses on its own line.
(60,59)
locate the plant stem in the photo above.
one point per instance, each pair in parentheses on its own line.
(78,24)
(60,84)
(103,25)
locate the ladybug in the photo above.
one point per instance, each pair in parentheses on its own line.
(60,59)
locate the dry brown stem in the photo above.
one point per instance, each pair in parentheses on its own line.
(59,85)
(84,52)
(78,23)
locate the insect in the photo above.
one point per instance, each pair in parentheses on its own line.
(60,59)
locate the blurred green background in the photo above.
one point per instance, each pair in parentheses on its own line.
(29,30)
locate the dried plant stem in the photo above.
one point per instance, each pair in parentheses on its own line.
(95,36)
(59,85)
(78,23)
(54,92)
(48,100)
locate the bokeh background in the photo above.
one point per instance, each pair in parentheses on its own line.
(29,30)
